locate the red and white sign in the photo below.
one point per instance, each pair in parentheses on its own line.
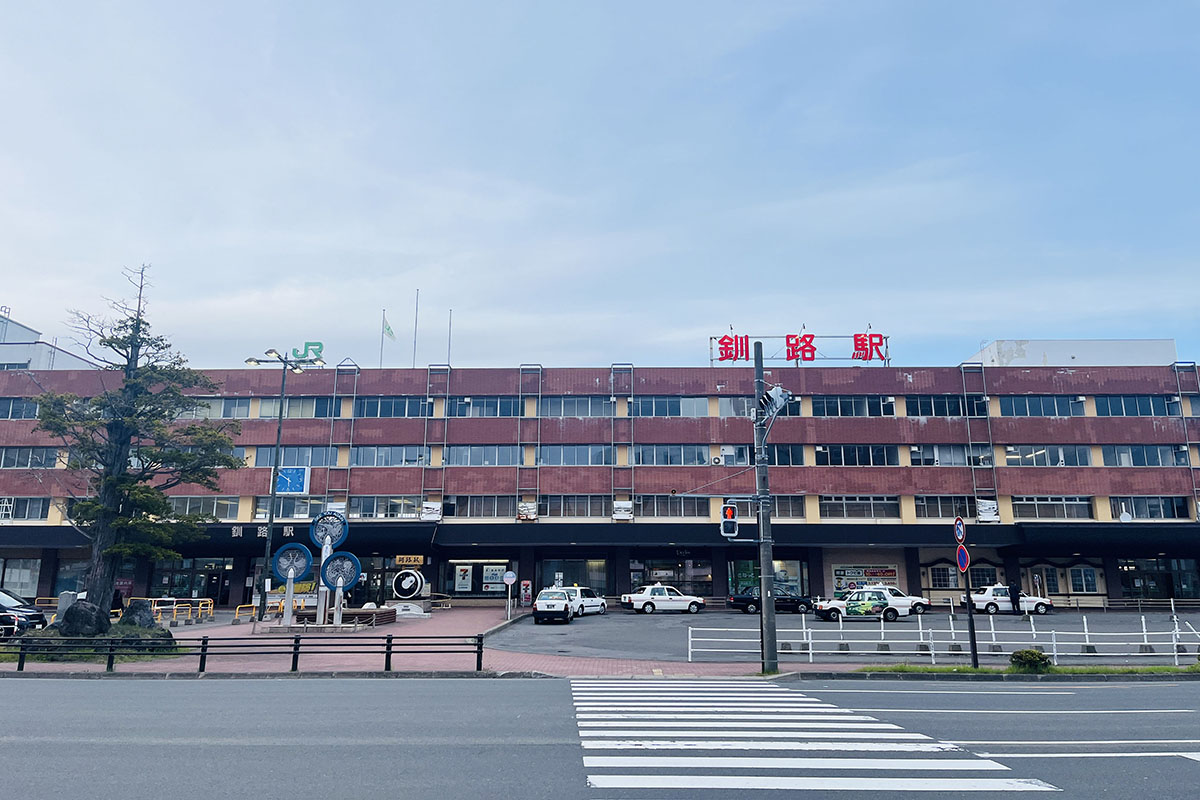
(802,347)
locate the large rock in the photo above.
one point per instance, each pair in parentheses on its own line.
(83,619)
(140,614)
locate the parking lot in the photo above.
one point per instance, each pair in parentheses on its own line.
(664,636)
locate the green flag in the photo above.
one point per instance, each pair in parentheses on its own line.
(387,329)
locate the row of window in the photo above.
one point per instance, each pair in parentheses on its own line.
(943,405)
(1083,579)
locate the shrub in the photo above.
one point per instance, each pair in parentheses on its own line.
(1030,661)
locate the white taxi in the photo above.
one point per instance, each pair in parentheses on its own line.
(585,601)
(552,604)
(648,599)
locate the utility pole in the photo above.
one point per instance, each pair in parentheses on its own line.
(766,559)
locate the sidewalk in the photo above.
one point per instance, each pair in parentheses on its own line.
(465,622)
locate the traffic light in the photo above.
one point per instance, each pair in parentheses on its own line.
(774,400)
(729,520)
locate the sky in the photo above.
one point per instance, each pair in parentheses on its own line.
(596,183)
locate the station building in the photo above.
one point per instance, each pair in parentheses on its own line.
(1073,463)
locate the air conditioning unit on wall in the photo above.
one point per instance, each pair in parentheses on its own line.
(622,509)
(718,461)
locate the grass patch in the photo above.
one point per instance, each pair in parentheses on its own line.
(1081,670)
(132,644)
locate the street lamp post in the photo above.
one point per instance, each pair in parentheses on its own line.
(762,490)
(297,366)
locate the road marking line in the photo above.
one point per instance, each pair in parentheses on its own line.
(1015,693)
(771,744)
(1009,711)
(781,783)
(816,726)
(1058,742)
(1121,754)
(766,734)
(725,762)
(833,712)
(759,717)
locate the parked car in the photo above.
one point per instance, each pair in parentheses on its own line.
(28,615)
(648,599)
(747,599)
(585,601)
(995,599)
(861,604)
(916,604)
(8,625)
(552,604)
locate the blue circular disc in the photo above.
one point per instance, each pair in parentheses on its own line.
(344,566)
(329,526)
(294,557)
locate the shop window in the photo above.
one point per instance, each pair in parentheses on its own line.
(1083,580)
(943,577)
(589,572)
(983,576)
(690,576)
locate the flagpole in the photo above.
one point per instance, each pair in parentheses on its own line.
(382,325)
(416,311)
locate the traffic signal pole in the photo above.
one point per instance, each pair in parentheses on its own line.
(766,559)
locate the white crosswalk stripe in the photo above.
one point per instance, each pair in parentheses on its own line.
(658,738)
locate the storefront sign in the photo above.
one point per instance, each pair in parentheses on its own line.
(800,348)
(848,577)
(558,580)
(409,561)
(494,573)
(463,575)
(526,592)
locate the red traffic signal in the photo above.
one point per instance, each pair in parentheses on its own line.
(729,520)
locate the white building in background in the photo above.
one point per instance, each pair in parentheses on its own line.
(21,347)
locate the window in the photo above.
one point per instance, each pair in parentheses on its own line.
(235,408)
(236,452)
(300,407)
(485,505)
(1052,507)
(945,405)
(734,406)
(1137,405)
(1145,455)
(217,507)
(1083,580)
(1150,507)
(846,405)
(983,576)
(794,408)
(1195,405)
(858,455)
(409,455)
(945,506)
(665,406)
(482,455)
(28,457)
(859,506)
(223,408)
(785,455)
(24,507)
(13,365)
(951,455)
(297,456)
(943,577)
(576,407)
(574,505)
(485,407)
(393,407)
(18,408)
(736,455)
(670,455)
(289,507)
(668,505)
(788,506)
(572,455)
(1047,455)
(368,506)
(203,409)
(1041,405)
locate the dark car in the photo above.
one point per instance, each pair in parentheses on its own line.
(28,615)
(8,625)
(747,599)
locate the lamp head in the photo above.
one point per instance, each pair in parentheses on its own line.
(297,369)
(318,362)
(252,361)
(273,353)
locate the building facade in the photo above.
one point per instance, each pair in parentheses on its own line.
(1078,481)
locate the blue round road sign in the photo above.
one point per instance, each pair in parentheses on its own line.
(960,530)
(963,558)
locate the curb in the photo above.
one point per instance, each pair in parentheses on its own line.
(505,624)
(269,675)
(1146,677)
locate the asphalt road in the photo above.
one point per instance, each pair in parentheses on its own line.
(663,636)
(595,739)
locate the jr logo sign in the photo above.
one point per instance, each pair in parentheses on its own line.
(311,350)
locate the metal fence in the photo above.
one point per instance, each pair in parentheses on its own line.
(925,641)
(207,647)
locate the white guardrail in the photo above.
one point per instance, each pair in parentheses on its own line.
(808,642)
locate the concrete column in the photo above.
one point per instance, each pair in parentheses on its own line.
(527,568)
(239,592)
(720,571)
(1112,578)
(816,572)
(1012,571)
(912,570)
(620,568)
(47,573)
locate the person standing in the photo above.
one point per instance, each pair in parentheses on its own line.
(1014,594)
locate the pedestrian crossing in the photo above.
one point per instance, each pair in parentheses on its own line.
(672,739)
